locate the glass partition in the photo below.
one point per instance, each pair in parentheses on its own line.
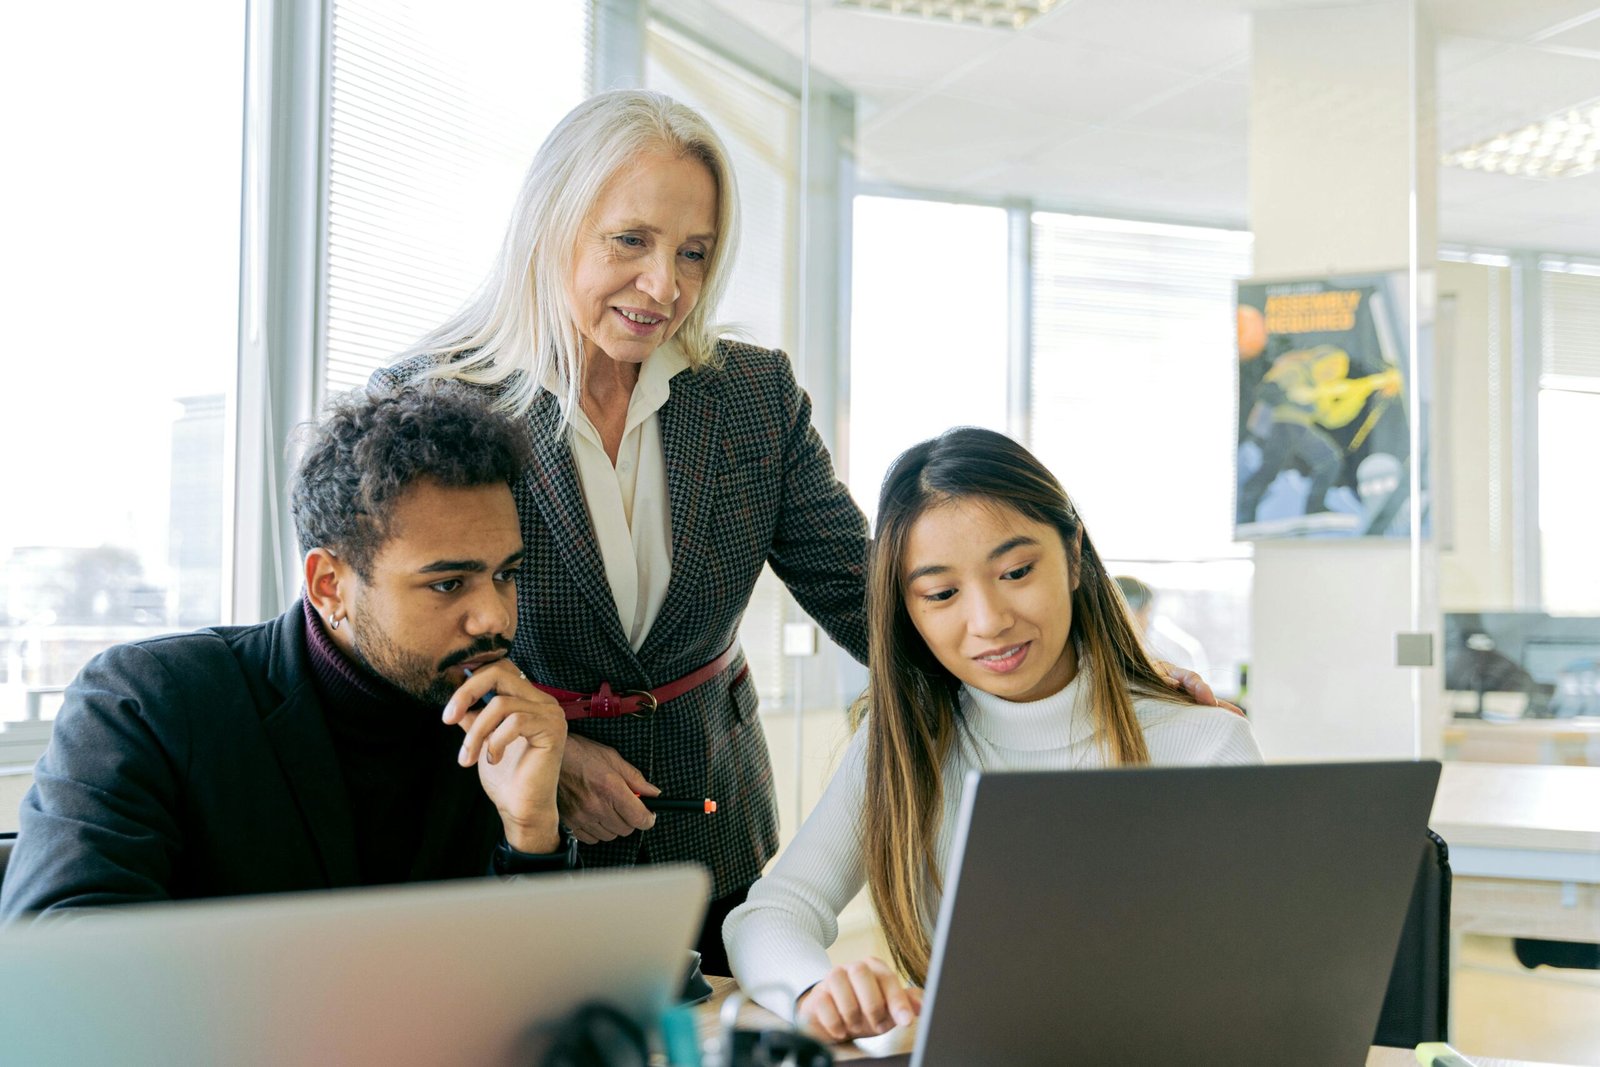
(1037,217)
(1299,300)
(1519,143)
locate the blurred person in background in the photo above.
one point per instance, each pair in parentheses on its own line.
(1164,639)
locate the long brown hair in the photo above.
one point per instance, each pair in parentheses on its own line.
(911,710)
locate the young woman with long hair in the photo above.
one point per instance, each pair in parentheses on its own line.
(997,640)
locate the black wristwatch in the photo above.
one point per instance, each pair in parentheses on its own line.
(506,860)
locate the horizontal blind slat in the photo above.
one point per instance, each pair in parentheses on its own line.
(1571,324)
(419,140)
(1133,365)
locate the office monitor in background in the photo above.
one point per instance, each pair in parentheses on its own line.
(445,973)
(1229,915)
(1522,664)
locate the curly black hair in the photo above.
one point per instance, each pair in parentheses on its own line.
(371,447)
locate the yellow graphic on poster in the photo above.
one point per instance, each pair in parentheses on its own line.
(1324,436)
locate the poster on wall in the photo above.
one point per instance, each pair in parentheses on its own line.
(1324,433)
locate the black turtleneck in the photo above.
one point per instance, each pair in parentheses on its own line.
(390,748)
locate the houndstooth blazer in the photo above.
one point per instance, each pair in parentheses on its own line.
(748,481)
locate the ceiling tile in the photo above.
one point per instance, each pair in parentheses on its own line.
(1095,189)
(855,46)
(1504,20)
(1142,153)
(1462,188)
(1220,192)
(1585,35)
(1522,233)
(1454,53)
(781,21)
(1548,198)
(1067,81)
(1213,109)
(1175,33)
(1508,89)
(895,140)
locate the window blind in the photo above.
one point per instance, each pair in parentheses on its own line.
(435,110)
(1572,328)
(1133,379)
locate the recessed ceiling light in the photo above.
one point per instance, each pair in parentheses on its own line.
(997,14)
(1564,145)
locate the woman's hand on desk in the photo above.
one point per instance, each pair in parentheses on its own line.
(859,1000)
(599,792)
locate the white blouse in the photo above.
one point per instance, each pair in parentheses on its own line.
(777,939)
(627,503)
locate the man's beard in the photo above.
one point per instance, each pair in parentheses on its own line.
(408,671)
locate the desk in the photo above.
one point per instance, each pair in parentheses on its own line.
(1573,742)
(759,1018)
(1524,849)
(754,1017)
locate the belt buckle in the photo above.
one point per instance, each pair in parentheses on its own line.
(647,703)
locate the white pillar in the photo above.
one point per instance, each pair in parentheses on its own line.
(1342,174)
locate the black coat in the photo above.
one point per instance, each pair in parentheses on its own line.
(200,765)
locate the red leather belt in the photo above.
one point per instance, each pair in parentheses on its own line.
(610,704)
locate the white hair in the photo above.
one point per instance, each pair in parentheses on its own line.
(518,328)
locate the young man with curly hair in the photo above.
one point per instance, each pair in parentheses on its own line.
(374,733)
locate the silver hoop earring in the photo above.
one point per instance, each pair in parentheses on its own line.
(334,621)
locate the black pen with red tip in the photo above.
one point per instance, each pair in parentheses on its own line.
(705,805)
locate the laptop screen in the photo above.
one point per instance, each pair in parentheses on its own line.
(1219,915)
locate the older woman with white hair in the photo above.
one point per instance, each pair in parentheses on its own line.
(670,466)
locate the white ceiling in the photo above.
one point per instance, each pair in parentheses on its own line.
(1138,107)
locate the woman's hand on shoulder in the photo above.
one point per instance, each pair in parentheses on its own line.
(859,999)
(1194,685)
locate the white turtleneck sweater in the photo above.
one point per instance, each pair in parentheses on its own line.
(777,940)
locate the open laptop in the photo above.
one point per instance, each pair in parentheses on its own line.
(449,973)
(1224,915)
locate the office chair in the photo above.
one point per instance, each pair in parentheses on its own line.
(1540,952)
(8,841)
(1416,1007)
